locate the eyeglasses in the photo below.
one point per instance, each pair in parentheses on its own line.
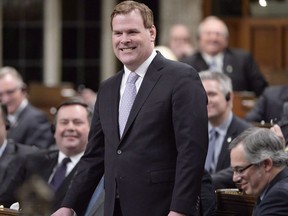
(9,92)
(240,170)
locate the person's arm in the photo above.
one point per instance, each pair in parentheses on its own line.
(277,130)
(190,121)
(255,77)
(172,213)
(258,112)
(39,133)
(64,212)
(223,179)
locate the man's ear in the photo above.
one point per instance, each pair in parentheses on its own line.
(268,164)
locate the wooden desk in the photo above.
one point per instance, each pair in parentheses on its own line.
(8,212)
(233,202)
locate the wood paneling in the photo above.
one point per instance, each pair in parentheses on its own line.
(266,38)
(285,47)
(263,46)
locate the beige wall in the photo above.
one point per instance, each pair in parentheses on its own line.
(188,12)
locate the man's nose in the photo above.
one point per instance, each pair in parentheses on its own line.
(236,177)
(71,126)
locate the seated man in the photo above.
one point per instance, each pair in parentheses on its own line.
(224,126)
(29,125)
(270,105)
(214,54)
(10,151)
(259,165)
(180,41)
(72,122)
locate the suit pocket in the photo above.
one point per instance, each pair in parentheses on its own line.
(162,176)
(152,107)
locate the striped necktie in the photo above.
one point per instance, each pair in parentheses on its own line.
(59,174)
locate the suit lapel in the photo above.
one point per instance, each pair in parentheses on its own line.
(228,63)
(151,77)
(115,98)
(230,135)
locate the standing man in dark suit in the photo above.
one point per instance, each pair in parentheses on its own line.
(29,125)
(72,123)
(215,55)
(260,168)
(155,164)
(218,87)
(10,151)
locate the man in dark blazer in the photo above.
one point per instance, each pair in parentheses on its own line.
(218,87)
(10,151)
(259,163)
(269,107)
(155,167)
(215,55)
(28,125)
(72,122)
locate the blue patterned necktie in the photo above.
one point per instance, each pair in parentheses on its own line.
(210,163)
(59,174)
(213,65)
(127,101)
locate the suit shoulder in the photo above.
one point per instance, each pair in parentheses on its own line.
(180,68)
(276,88)
(34,111)
(22,149)
(238,52)
(241,123)
(192,58)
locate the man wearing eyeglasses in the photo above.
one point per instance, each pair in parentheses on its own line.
(259,165)
(29,125)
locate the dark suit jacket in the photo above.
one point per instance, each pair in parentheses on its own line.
(236,127)
(42,165)
(275,201)
(32,128)
(239,66)
(158,163)
(269,106)
(10,159)
(208,196)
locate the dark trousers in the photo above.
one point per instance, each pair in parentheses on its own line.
(117,208)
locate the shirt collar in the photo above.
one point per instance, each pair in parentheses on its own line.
(74,159)
(141,70)
(222,128)
(22,106)
(218,59)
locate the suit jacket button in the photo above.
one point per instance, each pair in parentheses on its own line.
(119,152)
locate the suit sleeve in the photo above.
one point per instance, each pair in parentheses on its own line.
(257,114)
(189,102)
(257,81)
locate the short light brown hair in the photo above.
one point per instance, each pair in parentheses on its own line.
(126,7)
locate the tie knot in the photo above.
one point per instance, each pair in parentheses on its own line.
(214,132)
(65,161)
(132,77)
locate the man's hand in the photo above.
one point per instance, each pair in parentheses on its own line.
(172,213)
(64,212)
(277,130)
